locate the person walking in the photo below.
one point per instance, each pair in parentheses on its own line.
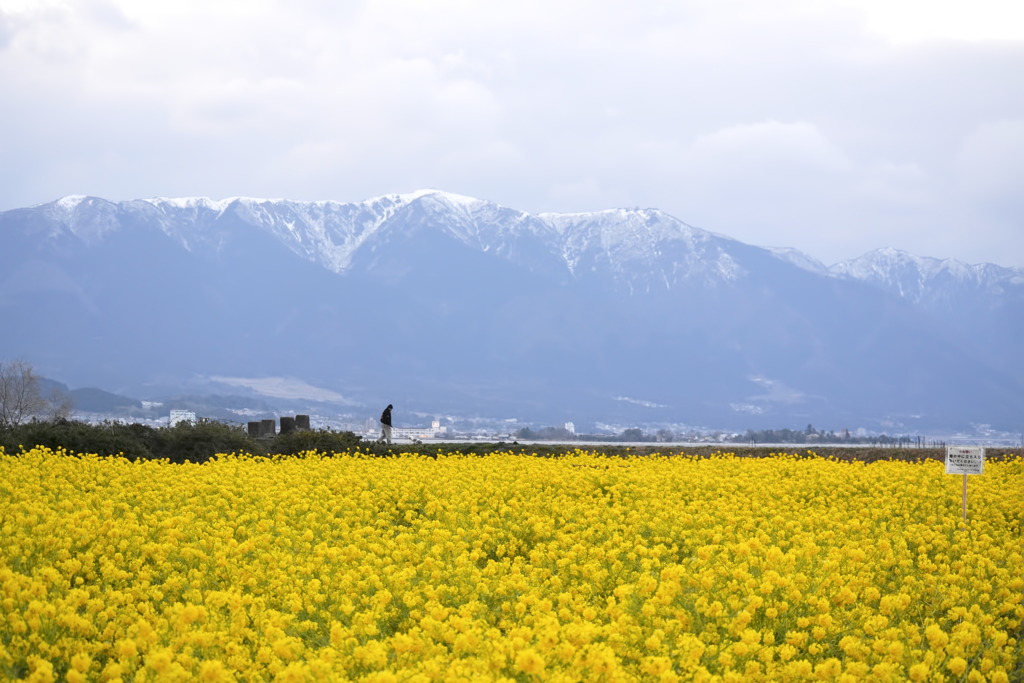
(385,425)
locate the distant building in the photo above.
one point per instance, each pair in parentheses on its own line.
(416,433)
(435,430)
(178,416)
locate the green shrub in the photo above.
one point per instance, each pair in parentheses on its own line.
(323,441)
(200,442)
(132,441)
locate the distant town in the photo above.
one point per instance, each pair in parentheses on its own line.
(369,429)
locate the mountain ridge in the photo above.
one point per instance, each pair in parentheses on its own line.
(868,266)
(461,303)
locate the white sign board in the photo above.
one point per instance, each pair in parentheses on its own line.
(965,459)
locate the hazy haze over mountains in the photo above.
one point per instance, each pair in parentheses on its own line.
(443,304)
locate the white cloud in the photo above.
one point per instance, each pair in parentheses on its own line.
(908,21)
(831,127)
(991,161)
(894,184)
(767,150)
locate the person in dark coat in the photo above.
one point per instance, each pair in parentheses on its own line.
(385,424)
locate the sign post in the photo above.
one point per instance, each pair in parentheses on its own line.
(965,460)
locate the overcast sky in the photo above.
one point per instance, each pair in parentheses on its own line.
(834,127)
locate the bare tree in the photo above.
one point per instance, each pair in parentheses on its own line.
(58,405)
(20,397)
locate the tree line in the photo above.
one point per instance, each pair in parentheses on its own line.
(184,442)
(31,416)
(810,435)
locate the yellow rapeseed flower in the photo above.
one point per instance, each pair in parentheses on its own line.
(530,661)
(459,567)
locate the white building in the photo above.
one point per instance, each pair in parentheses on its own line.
(406,433)
(412,433)
(181,416)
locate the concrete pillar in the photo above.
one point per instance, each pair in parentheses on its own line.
(287,424)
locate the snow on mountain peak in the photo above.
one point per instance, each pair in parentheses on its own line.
(440,196)
(640,249)
(887,260)
(70,202)
(87,218)
(190,202)
(917,278)
(799,259)
(644,247)
(451,198)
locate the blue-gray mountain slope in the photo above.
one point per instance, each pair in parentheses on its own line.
(448,304)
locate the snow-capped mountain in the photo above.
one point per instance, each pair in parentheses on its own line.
(632,245)
(451,303)
(928,281)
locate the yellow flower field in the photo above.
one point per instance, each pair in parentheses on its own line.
(508,567)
